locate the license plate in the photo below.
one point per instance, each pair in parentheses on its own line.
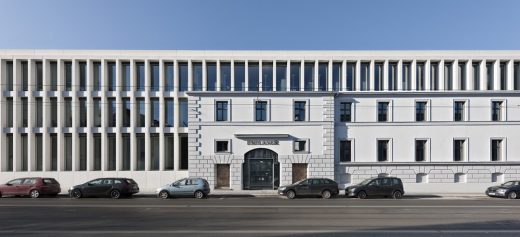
(491,193)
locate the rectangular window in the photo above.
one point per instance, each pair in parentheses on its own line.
(420,150)
(420,111)
(308,76)
(68,152)
(345,151)
(140,77)
(458,111)
(155,113)
(169,107)
(111,112)
(25,112)
(337,73)
(97,112)
(82,112)
(434,76)
(68,112)
(97,76)
(126,76)
(365,76)
(82,152)
(54,112)
(97,151)
(154,76)
(39,151)
(10,152)
(459,149)
(140,116)
(323,74)
(111,154)
(490,76)
(222,111)
(406,79)
(345,111)
(54,152)
(9,75)
(39,112)
(496,150)
(169,143)
(503,75)
(516,74)
(267,76)
(253,76)
(126,151)
(240,77)
(382,111)
(476,75)
(197,76)
(211,74)
(221,146)
(111,73)
(382,150)
(68,76)
(169,76)
(25,75)
(39,75)
(496,111)
(392,76)
(140,151)
(154,151)
(23,152)
(225,76)
(183,113)
(183,152)
(9,112)
(281,76)
(82,76)
(299,111)
(378,77)
(126,112)
(295,76)
(462,76)
(419,77)
(300,146)
(183,76)
(448,76)
(260,110)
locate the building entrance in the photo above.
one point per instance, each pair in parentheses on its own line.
(261,169)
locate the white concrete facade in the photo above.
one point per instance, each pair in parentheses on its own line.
(45,108)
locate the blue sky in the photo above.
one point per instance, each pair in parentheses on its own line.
(261,24)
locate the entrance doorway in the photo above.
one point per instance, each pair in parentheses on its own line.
(261,169)
(299,172)
(222,176)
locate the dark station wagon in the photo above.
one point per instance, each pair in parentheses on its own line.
(326,188)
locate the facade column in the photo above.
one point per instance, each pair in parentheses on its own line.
(413,75)
(274,76)
(483,75)
(441,76)
(232,75)
(330,77)
(344,75)
(218,87)
(427,75)
(371,77)
(147,118)
(510,75)
(103,84)
(302,76)
(496,75)
(358,76)
(288,76)
(133,114)
(176,119)
(399,79)
(315,82)
(385,85)
(456,82)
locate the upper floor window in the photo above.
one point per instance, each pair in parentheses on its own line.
(9,75)
(448,76)
(496,110)
(196,74)
(169,111)
(496,150)
(111,73)
(382,111)
(299,111)
(25,75)
(459,111)
(476,75)
(82,76)
(261,111)
(240,75)
(382,150)
(351,76)
(295,76)
(140,76)
(459,149)
(222,111)
(406,80)
(154,76)
(365,76)
(345,151)
(420,150)
(211,74)
(490,75)
(125,76)
(267,76)
(420,111)
(97,76)
(155,113)
(378,76)
(39,75)
(183,76)
(281,76)
(323,71)
(300,145)
(503,75)
(434,76)
(345,111)
(169,76)
(419,77)
(462,76)
(225,76)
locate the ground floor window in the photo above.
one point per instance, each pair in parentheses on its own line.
(183,151)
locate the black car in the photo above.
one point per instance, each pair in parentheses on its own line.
(509,190)
(105,187)
(378,186)
(326,188)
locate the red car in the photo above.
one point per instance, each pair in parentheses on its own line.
(33,187)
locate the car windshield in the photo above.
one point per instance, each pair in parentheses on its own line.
(510,183)
(366,181)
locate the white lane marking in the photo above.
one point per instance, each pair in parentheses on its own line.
(407,231)
(248,206)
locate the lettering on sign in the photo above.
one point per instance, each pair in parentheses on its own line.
(263,142)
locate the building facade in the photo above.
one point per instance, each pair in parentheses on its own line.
(443,121)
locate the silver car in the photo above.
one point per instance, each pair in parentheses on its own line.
(188,187)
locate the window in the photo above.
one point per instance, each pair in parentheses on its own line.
(169,143)
(308,76)
(211,74)
(267,76)
(516,75)
(155,113)
(183,152)
(261,111)
(281,76)
(503,75)
(183,113)
(490,76)
(169,76)
(112,114)
(111,154)
(496,150)
(68,76)
(82,152)
(462,76)
(97,112)
(460,178)
(126,112)
(351,76)
(222,111)
(406,79)
(97,76)
(197,76)
(345,151)
(420,150)
(140,116)
(419,77)
(421,178)
(222,146)
(111,73)
(9,112)
(54,112)
(82,76)
(365,76)
(126,151)
(183,76)
(392,76)
(382,111)
(254,78)
(459,150)
(25,111)
(476,75)
(38,152)
(378,76)
(382,150)
(140,76)
(39,75)
(68,112)
(154,151)
(240,77)
(10,152)
(434,76)
(54,152)
(299,111)
(169,107)
(295,76)
(323,73)
(25,75)
(125,76)
(337,74)
(97,151)
(225,76)
(345,112)
(448,76)
(300,146)
(9,75)
(154,76)
(420,111)
(496,111)
(140,151)
(23,151)
(458,111)
(68,152)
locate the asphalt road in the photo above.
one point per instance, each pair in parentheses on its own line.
(261,216)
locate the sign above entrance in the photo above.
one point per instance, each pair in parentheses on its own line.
(263,142)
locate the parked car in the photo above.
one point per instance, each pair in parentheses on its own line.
(194,187)
(378,186)
(33,187)
(509,190)
(326,188)
(105,187)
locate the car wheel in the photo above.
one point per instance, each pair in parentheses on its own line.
(115,194)
(76,193)
(164,194)
(291,194)
(199,194)
(34,193)
(326,194)
(512,195)
(362,195)
(397,195)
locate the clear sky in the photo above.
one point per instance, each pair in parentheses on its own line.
(260,24)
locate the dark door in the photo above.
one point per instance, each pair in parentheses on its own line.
(299,172)
(305,187)
(222,176)
(317,186)
(387,186)
(106,186)
(93,187)
(261,169)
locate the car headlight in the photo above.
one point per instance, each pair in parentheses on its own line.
(282,188)
(501,190)
(158,190)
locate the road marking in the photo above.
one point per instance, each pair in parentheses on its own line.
(250,206)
